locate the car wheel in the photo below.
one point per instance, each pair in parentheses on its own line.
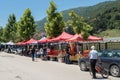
(114,70)
(83,66)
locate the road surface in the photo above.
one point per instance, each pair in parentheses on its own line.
(15,67)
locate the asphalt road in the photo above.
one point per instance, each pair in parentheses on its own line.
(15,67)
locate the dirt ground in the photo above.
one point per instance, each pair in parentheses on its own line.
(15,67)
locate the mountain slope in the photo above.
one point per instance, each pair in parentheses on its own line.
(92,14)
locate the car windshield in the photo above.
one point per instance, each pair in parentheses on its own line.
(112,53)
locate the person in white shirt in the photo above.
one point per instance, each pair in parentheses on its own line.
(93,57)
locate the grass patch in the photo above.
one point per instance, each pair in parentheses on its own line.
(110,33)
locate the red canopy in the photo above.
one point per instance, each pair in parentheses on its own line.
(79,37)
(76,37)
(21,43)
(31,41)
(64,36)
(43,40)
(94,38)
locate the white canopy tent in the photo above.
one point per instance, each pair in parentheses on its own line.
(2,43)
(43,38)
(10,43)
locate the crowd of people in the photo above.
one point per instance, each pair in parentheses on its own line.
(93,56)
(42,52)
(37,53)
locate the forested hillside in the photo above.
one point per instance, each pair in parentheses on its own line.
(102,16)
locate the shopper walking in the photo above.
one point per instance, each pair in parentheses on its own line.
(93,57)
(33,53)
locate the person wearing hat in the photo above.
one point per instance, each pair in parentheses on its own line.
(93,57)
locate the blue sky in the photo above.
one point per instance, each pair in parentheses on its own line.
(38,7)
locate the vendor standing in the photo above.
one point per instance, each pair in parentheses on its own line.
(67,55)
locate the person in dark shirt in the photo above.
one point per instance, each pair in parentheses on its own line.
(9,49)
(67,55)
(44,51)
(0,47)
(33,53)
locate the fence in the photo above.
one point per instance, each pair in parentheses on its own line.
(99,46)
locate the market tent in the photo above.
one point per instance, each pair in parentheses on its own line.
(21,43)
(64,36)
(3,43)
(43,40)
(76,37)
(79,37)
(31,41)
(10,43)
(94,38)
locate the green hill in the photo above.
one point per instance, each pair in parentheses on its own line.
(110,33)
(102,16)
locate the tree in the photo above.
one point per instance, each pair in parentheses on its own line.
(1,34)
(69,30)
(78,24)
(26,26)
(55,24)
(10,29)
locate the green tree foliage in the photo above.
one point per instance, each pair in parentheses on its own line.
(108,18)
(55,24)
(101,17)
(69,30)
(1,34)
(10,29)
(78,24)
(26,26)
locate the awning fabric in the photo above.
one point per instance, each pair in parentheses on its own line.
(95,38)
(31,41)
(43,40)
(64,36)
(21,43)
(76,37)
(10,43)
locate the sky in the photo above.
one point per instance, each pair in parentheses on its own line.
(38,7)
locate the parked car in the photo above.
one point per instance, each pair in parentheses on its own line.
(109,58)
